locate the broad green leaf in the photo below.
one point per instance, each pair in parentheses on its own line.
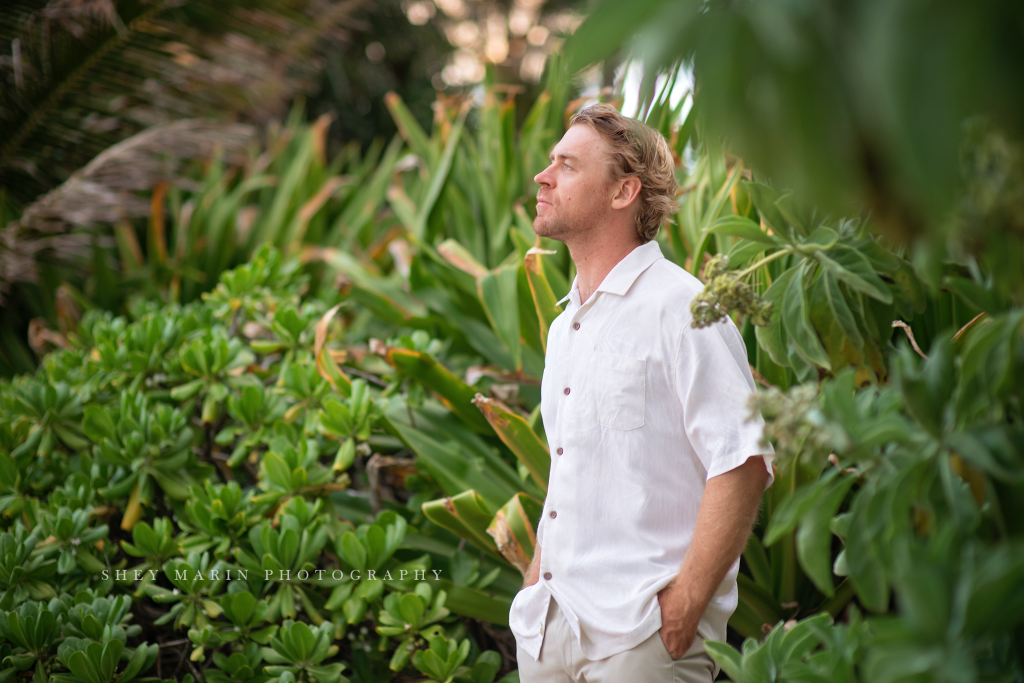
(544,300)
(410,129)
(353,551)
(823,237)
(454,393)
(135,665)
(439,176)
(851,267)
(238,607)
(513,530)
(727,657)
(744,228)
(712,212)
(840,309)
(467,515)
(607,27)
(867,573)
(795,507)
(475,604)
(757,561)
(764,198)
(277,470)
(499,296)
(772,337)
(759,599)
(796,317)
(461,258)
(97,424)
(814,539)
(411,607)
(517,434)
(453,471)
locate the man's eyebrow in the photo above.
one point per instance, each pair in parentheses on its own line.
(563,155)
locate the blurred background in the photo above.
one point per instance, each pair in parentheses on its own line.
(79,76)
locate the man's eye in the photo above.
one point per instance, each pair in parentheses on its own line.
(567,167)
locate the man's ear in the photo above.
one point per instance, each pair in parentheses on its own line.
(627,191)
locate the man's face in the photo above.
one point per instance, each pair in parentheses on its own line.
(576,188)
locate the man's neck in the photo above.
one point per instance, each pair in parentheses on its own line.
(595,258)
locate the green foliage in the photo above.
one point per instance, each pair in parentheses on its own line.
(84,635)
(53,413)
(408,617)
(195,580)
(299,650)
(93,662)
(22,573)
(148,444)
(266,430)
(69,536)
(220,515)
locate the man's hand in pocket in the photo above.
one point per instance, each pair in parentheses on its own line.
(678,622)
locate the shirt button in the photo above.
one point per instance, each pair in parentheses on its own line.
(559,451)
(547,576)
(566,391)
(553,514)
(575,326)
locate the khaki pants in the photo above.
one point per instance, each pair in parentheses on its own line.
(561,660)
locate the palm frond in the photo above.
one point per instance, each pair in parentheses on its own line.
(78,76)
(57,226)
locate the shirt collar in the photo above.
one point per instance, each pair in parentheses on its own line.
(620,278)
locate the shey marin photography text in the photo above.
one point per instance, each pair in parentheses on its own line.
(282,575)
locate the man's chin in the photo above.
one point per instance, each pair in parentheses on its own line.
(546,228)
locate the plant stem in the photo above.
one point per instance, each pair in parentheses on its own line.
(767,259)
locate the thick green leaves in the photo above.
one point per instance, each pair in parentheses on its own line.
(517,434)
(744,228)
(544,300)
(840,309)
(772,337)
(467,515)
(814,539)
(850,266)
(498,293)
(456,394)
(513,530)
(797,320)
(493,480)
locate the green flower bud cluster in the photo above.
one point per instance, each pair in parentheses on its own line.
(726,292)
(794,423)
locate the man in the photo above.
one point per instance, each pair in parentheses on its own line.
(656,474)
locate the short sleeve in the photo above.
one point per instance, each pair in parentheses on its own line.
(713,383)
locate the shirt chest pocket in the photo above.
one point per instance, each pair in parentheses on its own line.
(619,385)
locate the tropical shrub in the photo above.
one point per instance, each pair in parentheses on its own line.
(367,408)
(261,575)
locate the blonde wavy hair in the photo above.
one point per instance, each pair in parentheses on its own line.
(637,150)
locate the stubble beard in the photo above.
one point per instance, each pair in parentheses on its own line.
(556,227)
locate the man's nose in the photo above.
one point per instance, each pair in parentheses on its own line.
(542,178)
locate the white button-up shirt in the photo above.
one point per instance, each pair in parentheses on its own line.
(640,409)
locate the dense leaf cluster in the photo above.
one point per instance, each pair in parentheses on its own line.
(259,570)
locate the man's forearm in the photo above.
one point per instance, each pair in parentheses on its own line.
(727,514)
